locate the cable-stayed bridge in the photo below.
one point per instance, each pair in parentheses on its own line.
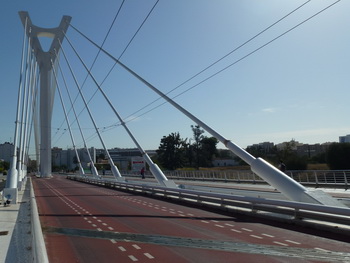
(42,76)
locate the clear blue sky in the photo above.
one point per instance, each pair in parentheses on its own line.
(297,87)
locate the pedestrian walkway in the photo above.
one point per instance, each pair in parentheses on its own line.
(15,229)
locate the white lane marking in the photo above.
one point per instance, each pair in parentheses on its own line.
(236,230)
(279,243)
(89,222)
(205,221)
(104,224)
(122,248)
(267,235)
(229,225)
(180,212)
(256,236)
(113,241)
(321,249)
(133,258)
(148,255)
(99,229)
(110,228)
(94,217)
(293,242)
(182,215)
(99,220)
(247,229)
(190,214)
(94,225)
(214,221)
(171,212)
(219,225)
(136,246)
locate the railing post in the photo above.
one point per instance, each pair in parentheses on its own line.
(316,179)
(345,180)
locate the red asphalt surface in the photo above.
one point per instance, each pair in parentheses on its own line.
(66,204)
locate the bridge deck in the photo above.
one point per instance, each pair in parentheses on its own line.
(86,223)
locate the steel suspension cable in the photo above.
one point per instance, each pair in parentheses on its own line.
(215,62)
(133,37)
(98,53)
(115,170)
(11,181)
(154,168)
(81,170)
(220,71)
(92,166)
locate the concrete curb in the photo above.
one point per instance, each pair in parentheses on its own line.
(38,243)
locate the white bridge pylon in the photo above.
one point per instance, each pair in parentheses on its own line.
(47,85)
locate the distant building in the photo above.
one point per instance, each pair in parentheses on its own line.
(311,150)
(123,158)
(343,139)
(224,162)
(263,146)
(6,151)
(67,158)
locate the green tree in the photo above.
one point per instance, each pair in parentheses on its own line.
(171,151)
(197,136)
(207,151)
(338,156)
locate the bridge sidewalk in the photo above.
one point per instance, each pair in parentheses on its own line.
(15,227)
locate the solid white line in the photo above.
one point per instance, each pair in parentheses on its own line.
(148,255)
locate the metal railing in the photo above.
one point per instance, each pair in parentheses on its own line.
(297,211)
(324,178)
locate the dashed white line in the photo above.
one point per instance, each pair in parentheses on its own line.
(229,225)
(321,249)
(110,228)
(148,255)
(122,249)
(205,221)
(293,242)
(234,230)
(136,246)
(99,229)
(113,241)
(219,225)
(133,258)
(267,235)
(258,237)
(279,243)
(247,229)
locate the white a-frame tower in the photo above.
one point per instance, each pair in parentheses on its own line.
(47,85)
